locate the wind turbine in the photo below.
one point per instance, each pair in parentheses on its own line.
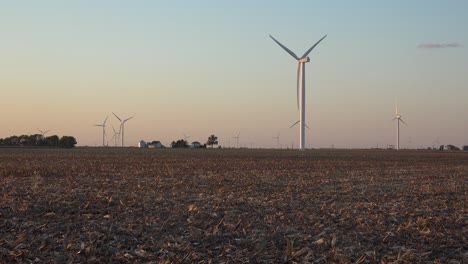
(43,132)
(300,86)
(115,137)
(297,123)
(122,126)
(398,118)
(436,141)
(237,138)
(103,131)
(277,140)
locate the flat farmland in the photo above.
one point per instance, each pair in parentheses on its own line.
(128,205)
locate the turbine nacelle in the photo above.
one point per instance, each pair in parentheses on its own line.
(399,118)
(304,60)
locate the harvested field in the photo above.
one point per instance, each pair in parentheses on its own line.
(199,206)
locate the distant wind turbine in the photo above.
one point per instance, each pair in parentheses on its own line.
(436,141)
(300,86)
(297,123)
(43,132)
(103,125)
(122,126)
(277,140)
(398,118)
(116,136)
(237,139)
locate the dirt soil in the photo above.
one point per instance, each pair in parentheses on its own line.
(128,205)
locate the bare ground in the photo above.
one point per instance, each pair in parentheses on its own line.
(235,206)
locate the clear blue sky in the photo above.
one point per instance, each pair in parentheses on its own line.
(209,67)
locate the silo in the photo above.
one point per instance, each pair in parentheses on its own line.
(142,144)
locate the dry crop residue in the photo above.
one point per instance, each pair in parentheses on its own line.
(189,206)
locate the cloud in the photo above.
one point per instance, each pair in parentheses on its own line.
(438,46)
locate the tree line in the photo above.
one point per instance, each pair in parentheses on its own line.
(182,143)
(38,140)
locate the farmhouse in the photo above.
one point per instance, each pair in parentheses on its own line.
(152,144)
(450,147)
(155,144)
(196,144)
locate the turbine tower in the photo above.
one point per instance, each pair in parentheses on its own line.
(122,126)
(398,118)
(300,87)
(103,131)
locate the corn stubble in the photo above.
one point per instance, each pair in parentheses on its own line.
(216,206)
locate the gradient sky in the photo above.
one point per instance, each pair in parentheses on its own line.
(209,67)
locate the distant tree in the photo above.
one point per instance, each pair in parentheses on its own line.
(179,144)
(38,141)
(67,142)
(43,141)
(15,140)
(212,140)
(52,141)
(11,141)
(30,140)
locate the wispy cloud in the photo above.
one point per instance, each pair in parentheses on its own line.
(438,46)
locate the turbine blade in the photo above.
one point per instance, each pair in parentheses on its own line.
(284,47)
(47,131)
(298,81)
(294,124)
(403,122)
(307,126)
(40,130)
(308,51)
(128,119)
(394,118)
(105,120)
(117,117)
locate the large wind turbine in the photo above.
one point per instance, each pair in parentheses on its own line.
(103,125)
(398,118)
(122,126)
(300,87)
